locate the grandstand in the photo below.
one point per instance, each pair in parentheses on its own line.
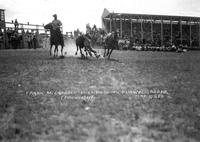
(158,29)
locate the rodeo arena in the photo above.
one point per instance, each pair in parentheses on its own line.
(135,79)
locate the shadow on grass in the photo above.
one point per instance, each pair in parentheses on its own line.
(114,60)
(56,58)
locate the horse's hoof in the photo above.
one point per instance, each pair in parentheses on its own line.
(82,56)
(97,56)
(62,57)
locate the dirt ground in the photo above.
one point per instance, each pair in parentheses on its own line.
(134,97)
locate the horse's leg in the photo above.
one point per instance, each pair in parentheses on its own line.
(89,52)
(76,49)
(90,49)
(57,51)
(93,51)
(86,52)
(81,51)
(110,53)
(56,46)
(61,50)
(104,55)
(50,49)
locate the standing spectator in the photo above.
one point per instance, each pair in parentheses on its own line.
(34,42)
(27,32)
(1,34)
(16,24)
(23,38)
(1,38)
(29,40)
(46,42)
(37,39)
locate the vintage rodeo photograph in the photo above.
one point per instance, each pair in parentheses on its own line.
(99,71)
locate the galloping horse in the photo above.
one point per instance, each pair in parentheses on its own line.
(56,39)
(110,43)
(83,41)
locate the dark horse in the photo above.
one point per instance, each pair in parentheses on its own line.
(56,39)
(84,42)
(110,43)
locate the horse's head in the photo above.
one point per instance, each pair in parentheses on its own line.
(115,35)
(48,26)
(111,36)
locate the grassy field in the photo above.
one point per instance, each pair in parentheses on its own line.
(134,97)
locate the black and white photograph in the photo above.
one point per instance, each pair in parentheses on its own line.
(99,71)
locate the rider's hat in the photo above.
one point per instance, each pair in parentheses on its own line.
(55,15)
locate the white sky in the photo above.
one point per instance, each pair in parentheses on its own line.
(77,13)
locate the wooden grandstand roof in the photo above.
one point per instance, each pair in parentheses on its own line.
(107,14)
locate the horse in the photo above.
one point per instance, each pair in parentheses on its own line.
(83,41)
(56,39)
(110,42)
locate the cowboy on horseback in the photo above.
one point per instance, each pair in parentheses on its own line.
(110,42)
(56,37)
